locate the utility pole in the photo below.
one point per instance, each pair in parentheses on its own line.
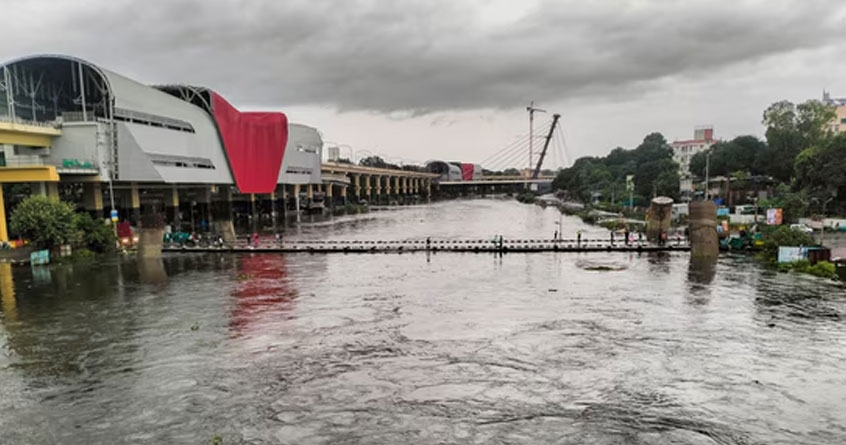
(531,109)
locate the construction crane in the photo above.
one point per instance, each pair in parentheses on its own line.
(555,118)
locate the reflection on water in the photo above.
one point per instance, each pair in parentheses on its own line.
(263,290)
(601,348)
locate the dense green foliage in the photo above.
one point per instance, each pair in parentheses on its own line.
(823,269)
(651,163)
(94,234)
(527,197)
(746,154)
(44,222)
(777,236)
(47,224)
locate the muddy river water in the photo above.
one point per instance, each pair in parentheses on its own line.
(561,348)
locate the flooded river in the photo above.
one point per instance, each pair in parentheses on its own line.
(421,349)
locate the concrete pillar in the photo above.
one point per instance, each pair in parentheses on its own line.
(172,208)
(135,203)
(405,185)
(387,186)
(310,191)
(330,196)
(704,242)
(53,191)
(4,231)
(357,184)
(254,214)
(273,213)
(297,192)
(344,193)
(150,238)
(48,189)
(367,189)
(660,218)
(221,213)
(92,199)
(428,188)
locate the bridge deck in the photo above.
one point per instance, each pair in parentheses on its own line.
(472,246)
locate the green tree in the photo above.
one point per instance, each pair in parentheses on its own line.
(821,172)
(742,153)
(790,130)
(373,161)
(651,163)
(44,222)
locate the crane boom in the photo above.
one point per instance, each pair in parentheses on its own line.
(555,118)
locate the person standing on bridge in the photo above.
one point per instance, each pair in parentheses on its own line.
(579,238)
(626,234)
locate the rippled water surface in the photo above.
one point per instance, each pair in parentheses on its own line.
(408,349)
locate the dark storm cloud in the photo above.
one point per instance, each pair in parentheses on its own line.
(422,56)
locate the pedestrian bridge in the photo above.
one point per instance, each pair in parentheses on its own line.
(442,245)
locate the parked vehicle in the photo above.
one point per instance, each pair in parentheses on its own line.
(802,228)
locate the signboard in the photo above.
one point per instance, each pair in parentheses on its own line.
(114,215)
(39,258)
(791,254)
(723,211)
(774,217)
(630,183)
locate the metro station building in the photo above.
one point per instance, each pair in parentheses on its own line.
(74,130)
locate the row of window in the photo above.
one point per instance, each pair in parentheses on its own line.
(182,162)
(137,117)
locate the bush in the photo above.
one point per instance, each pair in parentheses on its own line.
(823,269)
(775,237)
(94,234)
(44,222)
(526,198)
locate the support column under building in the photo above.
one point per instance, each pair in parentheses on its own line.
(254,215)
(135,204)
(297,188)
(273,214)
(4,231)
(330,195)
(92,199)
(174,216)
(221,213)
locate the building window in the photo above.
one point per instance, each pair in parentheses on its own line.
(843,120)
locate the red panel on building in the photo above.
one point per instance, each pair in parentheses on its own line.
(254,145)
(467,172)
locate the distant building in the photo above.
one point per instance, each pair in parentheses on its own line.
(838,125)
(683,151)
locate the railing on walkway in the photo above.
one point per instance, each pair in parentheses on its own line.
(524,245)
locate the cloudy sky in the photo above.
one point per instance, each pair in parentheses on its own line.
(420,79)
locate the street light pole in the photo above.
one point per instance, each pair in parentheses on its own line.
(708,176)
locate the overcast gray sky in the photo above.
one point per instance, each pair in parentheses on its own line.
(415,80)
